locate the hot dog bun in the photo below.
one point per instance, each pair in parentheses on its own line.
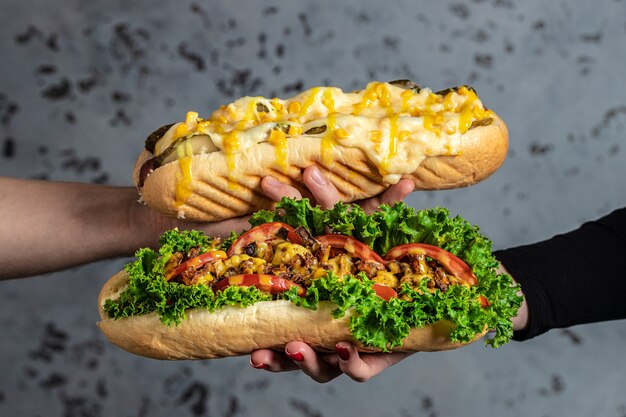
(209,170)
(234,331)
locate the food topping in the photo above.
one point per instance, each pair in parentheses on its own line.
(396,124)
(275,257)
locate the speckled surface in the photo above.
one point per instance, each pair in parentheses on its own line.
(82,83)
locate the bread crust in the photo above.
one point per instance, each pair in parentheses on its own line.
(233,331)
(215,197)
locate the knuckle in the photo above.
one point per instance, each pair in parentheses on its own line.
(322,379)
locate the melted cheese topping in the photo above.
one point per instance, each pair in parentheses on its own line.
(397,128)
(183,186)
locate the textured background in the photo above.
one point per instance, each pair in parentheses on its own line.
(82,83)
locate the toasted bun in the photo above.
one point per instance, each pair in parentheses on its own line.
(234,331)
(214,197)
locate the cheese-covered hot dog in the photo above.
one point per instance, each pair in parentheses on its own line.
(210,168)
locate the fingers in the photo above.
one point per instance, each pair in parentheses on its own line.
(326,367)
(397,192)
(362,368)
(276,190)
(272,361)
(323,191)
(325,194)
(297,356)
(318,366)
(393,194)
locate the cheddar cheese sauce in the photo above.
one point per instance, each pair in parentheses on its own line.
(396,124)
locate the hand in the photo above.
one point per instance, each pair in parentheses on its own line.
(328,366)
(326,195)
(89,222)
(299,355)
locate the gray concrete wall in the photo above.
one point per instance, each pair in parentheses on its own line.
(81,83)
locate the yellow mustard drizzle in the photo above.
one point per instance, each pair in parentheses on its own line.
(231,146)
(328,100)
(384,98)
(183,185)
(467,109)
(312,98)
(250,113)
(191,119)
(341,134)
(406,95)
(295,130)
(382,92)
(181,131)
(369,97)
(279,140)
(448,102)
(328,140)
(429,121)
(276,103)
(393,137)
(294,107)
(185,128)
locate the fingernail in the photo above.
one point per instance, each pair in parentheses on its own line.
(258,365)
(318,177)
(342,352)
(272,182)
(296,356)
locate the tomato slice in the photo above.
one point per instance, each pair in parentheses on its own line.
(263,233)
(352,246)
(264,282)
(196,263)
(483,301)
(385,292)
(451,263)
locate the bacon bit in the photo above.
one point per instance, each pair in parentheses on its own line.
(370,268)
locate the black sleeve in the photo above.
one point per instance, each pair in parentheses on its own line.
(574,278)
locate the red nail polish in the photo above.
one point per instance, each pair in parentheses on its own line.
(258,365)
(342,352)
(296,356)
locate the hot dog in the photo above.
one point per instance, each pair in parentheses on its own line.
(364,141)
(395,280)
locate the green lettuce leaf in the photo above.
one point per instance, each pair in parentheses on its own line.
(148,292)
(295,213)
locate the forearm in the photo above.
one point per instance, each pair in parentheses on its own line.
(573,278)
(47,226)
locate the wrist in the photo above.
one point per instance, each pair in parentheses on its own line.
(144,225)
